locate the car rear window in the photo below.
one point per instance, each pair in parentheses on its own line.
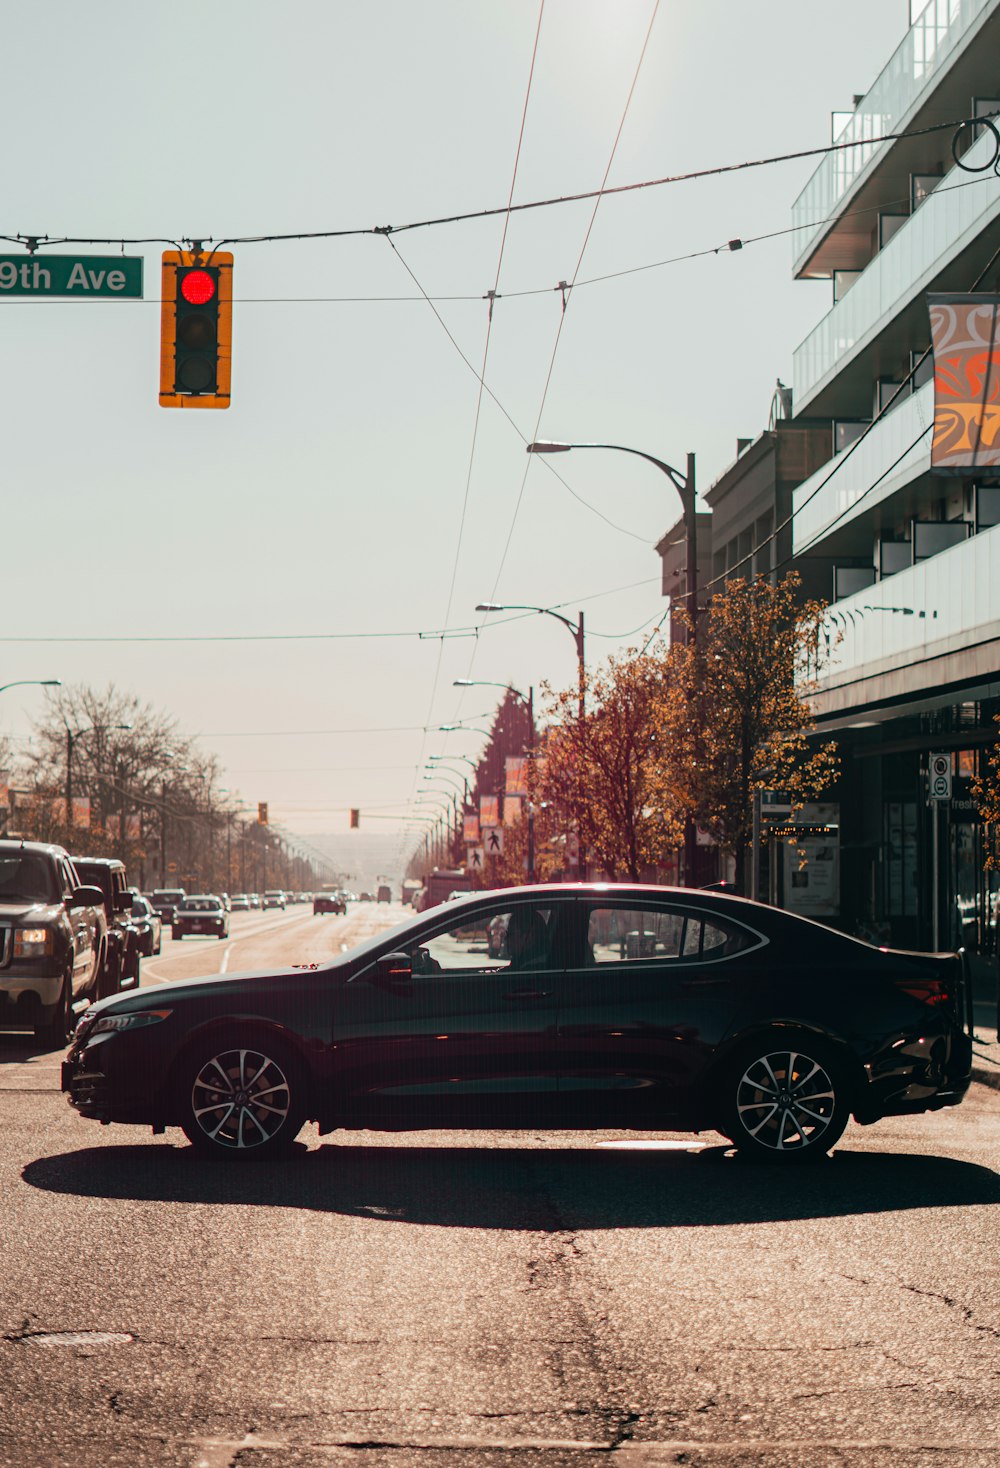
(621,935)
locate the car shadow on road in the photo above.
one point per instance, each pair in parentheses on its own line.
(525,1188)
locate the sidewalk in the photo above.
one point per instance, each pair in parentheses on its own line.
(986,1057)
(985,1050)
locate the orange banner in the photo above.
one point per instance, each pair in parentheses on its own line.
(964,332)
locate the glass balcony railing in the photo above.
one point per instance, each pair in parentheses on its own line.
(894,452)
(961,206)
(942,604)
(925,51)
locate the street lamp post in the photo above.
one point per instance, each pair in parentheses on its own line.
(685,487)
(575,628)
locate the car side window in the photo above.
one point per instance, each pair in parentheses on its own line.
(623,935)
(493,940)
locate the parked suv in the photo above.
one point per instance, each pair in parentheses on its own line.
(121,964)
(53,939)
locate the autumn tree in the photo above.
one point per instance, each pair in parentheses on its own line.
(737,712)
(133,766)
(986,794)
(608,775)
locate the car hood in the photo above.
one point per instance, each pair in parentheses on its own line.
(194,988)
(43,911)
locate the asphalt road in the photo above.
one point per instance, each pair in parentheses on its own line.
(441,1298)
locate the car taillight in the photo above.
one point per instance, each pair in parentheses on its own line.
(936,992)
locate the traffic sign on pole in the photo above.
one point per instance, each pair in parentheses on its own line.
(939,777)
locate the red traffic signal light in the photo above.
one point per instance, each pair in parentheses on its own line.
(196,329)
(262,812)
(197,287)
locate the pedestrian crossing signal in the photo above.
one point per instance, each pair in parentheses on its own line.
(262,813)
(355,819)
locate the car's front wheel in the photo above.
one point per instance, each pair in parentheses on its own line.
(785,1099)
(242,1097)
(56,1031)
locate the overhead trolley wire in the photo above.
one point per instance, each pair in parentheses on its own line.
(34,242)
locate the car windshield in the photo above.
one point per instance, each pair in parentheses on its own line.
(25,875)
(201,904)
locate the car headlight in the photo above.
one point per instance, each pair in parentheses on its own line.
(33,942)
(115,1023)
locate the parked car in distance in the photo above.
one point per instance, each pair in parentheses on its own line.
(121,962)
(53,940)
(274,899)
(201,913)
(166,900)
(329,902)
(239,902)
(147,923)
(384,894)
(255,899)
(767,1027)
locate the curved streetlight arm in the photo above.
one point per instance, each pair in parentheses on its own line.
(685,487)
(681,482)
(491,606)
(31,682)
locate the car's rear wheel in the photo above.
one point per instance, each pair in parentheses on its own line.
(241,1097)
(785,1099)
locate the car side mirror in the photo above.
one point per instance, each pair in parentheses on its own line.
(123,902)
(391,970)
(87,897)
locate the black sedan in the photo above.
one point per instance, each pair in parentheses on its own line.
(613,1006)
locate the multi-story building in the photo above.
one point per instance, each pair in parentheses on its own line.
(912,555)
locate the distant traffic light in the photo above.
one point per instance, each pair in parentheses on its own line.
(196,329)
(262,812)
(355,819)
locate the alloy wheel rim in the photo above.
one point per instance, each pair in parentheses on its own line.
(786,1101)
(240,1099)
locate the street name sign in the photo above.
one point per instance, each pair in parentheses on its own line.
(77,277)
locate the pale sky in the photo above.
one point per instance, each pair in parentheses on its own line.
(329,498)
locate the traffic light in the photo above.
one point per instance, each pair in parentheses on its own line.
(355,819)
(262,812)
(196,328)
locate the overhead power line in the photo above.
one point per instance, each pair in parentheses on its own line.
(34,242)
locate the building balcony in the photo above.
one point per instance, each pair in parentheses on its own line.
(904,95)
(931,628)
(850,489)
(937,248)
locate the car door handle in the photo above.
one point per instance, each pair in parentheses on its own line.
(528,994)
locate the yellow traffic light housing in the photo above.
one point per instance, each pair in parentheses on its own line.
(196,329)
